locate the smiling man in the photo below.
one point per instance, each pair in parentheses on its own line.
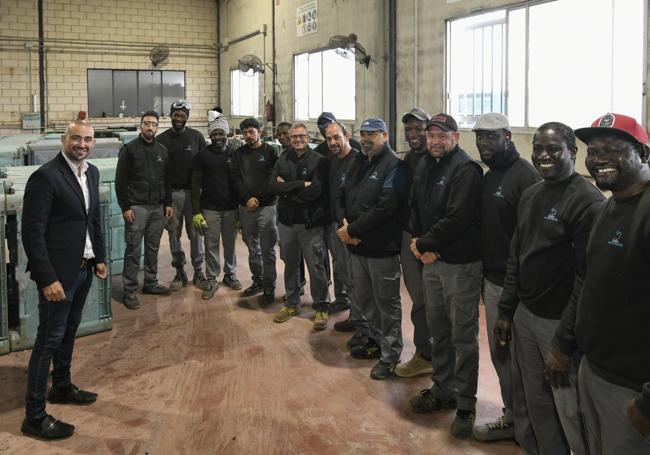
(445,205)
(61,231)
(609,320)
(544,272)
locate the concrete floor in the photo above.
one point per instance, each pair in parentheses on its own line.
(185,376)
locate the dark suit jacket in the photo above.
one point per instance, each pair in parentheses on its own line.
(55,221)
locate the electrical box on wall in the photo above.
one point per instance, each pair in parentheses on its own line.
(31,120)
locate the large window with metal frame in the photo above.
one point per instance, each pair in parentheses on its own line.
(244,93)
(324,81)
(541,61)
(129,93)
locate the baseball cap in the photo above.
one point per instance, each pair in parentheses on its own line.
(325,118)
(492,121)
(444,122)
(374,124)
(417,114)
(616,125)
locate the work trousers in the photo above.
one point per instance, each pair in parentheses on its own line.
(260,235)
(182,205)
(221,224)
(148,223)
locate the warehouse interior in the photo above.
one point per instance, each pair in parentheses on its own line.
(184,376)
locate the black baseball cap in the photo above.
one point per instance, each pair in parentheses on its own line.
(444,122)
(417,114)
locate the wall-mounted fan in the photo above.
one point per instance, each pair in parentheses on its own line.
(159,55)
(251,63)
(349,47)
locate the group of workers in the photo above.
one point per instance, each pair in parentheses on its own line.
(561,270)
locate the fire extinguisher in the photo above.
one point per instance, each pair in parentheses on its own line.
(269,111)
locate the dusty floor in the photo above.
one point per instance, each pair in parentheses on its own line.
(185,376)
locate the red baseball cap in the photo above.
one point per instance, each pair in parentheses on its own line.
(616,125)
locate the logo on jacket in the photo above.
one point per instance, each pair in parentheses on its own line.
(342,180)
(373,176)
(616,240)
(159,159)
(304,172)
(552,215)
(442,181)
(499,193)
(189,149)
(260,159)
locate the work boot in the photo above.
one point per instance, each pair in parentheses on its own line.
(267,297)
(382,370)
(462,425)
(345,326)
(232,282)
(426,403)
(199,279)
(320,320)
(369,350)
(131,301)
(416,366)
(358,339)
(209,288)
(501,429)
(157,289)
(253,289)
(180,280)
(285,314)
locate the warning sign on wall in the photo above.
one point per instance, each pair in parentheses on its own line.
(307,19)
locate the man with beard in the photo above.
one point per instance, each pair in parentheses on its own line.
(214,204)
(142,187)
(547,253)
(445,204)
(509,175)
(183,143)
(343,155)
(61,231)
(415,131)
(252,165)
(372,215)
(323,121)
(299,178)
(608,321)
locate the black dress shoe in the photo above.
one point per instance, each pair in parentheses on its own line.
(50,428)
(74,396)
(345,326)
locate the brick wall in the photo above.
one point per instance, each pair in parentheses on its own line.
(187,27)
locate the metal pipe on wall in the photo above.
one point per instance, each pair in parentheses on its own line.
(273,67)
(218,53)
(392,72)
(41,63)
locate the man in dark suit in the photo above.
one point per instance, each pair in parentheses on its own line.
(63,243)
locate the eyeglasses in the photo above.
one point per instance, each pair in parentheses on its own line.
(147,123)
(181,104)
(299,136)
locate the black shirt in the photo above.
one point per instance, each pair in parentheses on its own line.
(212,183)
(548,246)
(182,147)
(252,169)
(502,188)
(612,315)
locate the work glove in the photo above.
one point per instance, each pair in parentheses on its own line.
(199,223)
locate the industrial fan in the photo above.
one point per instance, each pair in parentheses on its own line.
(349,47)
(251,63)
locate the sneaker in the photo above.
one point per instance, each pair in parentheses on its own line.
(267,297)
(358,339)
(345,326)
(157,290)
(320,320)
(199,280)
(416,366)
(285,314)
(339,305)
(209,288)
(232,282)
(501,429)
(73,395)
(253,289)
(462,425)
(382,370)
(425,403)
(131,301)
(369,350)
(180,280)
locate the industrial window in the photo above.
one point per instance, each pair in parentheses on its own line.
(245,93)
(324,81)
(538,63)
(129,93)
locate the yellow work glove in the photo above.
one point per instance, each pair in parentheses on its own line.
(199,222)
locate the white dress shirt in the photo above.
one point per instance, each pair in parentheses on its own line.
(80,173)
